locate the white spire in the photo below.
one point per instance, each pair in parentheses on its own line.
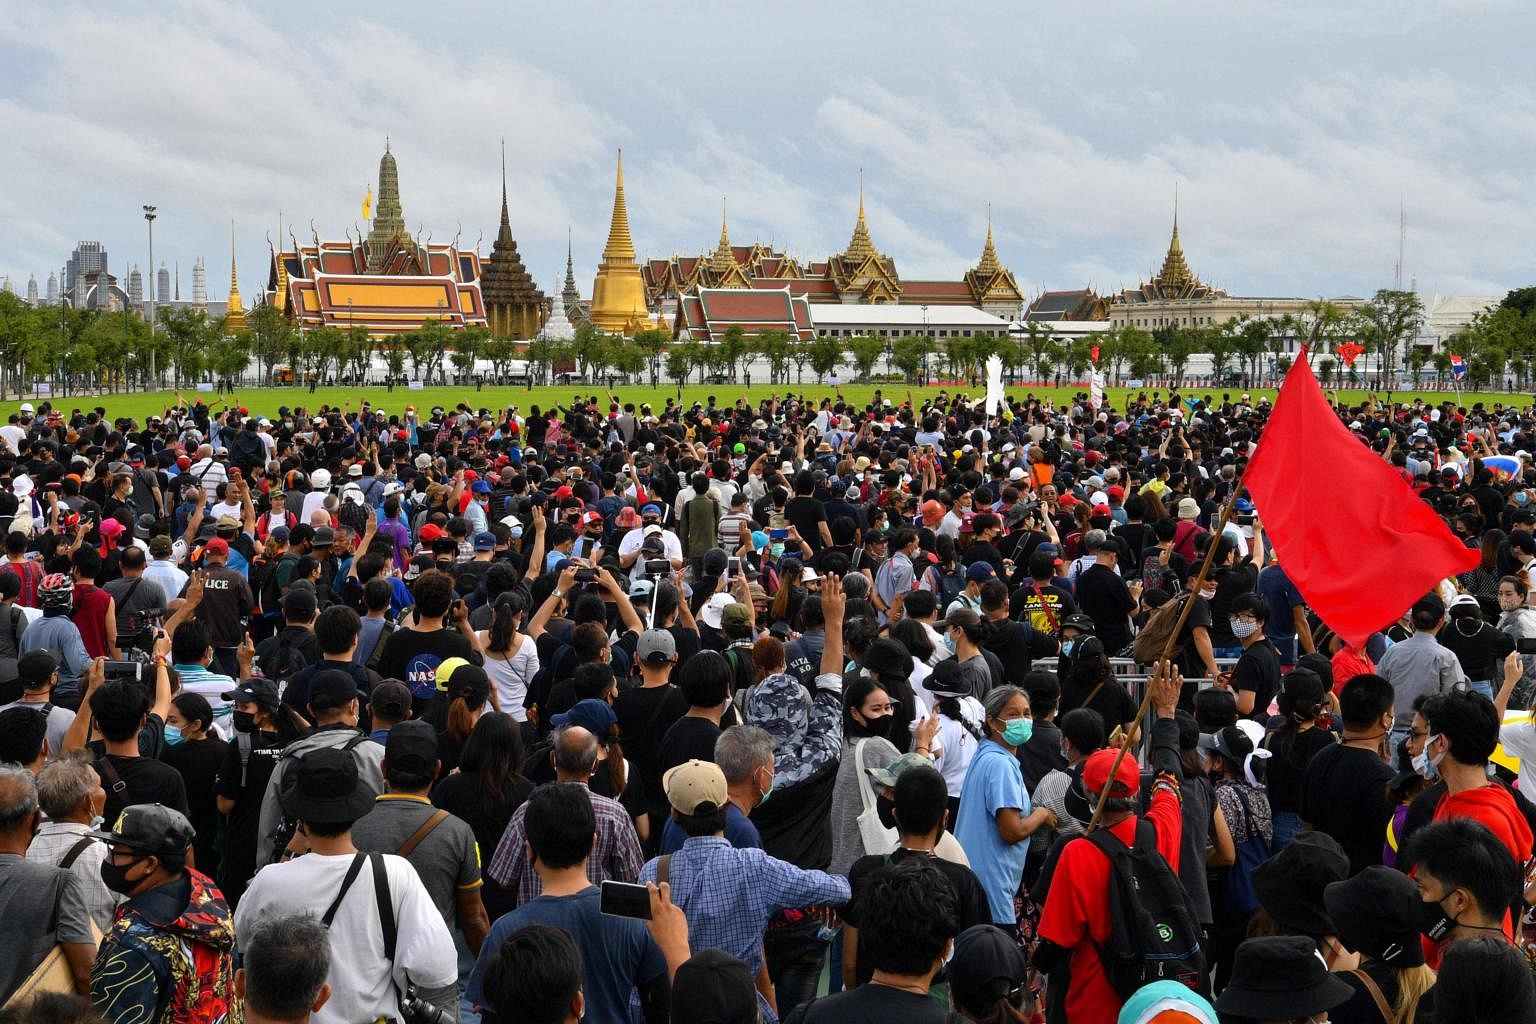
(558,326)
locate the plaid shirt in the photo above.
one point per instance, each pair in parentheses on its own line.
(728,895)
(615,856)
(55,840)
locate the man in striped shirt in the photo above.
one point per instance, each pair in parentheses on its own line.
(735,527)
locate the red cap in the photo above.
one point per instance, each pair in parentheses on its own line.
(1100,510)
(217,546)
(182,462)
(470,476)
(1096,773)
(1115,491)
(594,517)
(430,532)
(401,435)
(562,492)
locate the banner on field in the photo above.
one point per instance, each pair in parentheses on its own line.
(1096,389)
(414,385)
(994,385)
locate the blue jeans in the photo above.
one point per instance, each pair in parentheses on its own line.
(1287,824)
(1482,686)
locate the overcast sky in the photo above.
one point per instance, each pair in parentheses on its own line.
(1291,130)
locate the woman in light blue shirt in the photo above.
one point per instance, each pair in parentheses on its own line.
(996,816)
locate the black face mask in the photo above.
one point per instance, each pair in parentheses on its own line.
(115,876)
(1433,921)
(878,727)
(886,809)
(243,721)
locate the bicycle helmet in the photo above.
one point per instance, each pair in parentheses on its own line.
(56,591)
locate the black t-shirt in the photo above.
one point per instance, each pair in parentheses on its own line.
(1258,670)
(463,796)
(644,717)
(413,655)
(793,824)
(1042,754)
(873,1004)
(199,762)
(1017,645)
(1343,793)
(226,602)
(688,738)
(805,512)
(1103,596)
(970,899)
(1360,1007)
(1283,772)
(1189,662)
(145,781)
(1112,702)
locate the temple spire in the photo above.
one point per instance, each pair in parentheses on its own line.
(724,259)
(505,234)
(989,262)
(860,246)
(234,309)
(620,247)
(388,227)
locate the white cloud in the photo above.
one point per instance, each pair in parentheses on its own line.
(1291,147)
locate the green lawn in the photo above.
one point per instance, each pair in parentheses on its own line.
(265,401)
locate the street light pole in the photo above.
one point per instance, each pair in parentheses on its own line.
(149,218)
(927,344)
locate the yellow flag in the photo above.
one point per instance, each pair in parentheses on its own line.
(368,204)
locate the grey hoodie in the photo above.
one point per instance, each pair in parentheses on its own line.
(369,755)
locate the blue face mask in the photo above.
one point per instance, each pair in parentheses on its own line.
(1017,732)
(173,736)
(1522,498)
(776,550)
(1066,648)
(949,643)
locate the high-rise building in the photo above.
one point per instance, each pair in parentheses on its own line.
(163,285)
(135,288)
(199,285)
(53,290)
(88,258)
(6,286)
(32,290)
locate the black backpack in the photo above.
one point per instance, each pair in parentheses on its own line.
(287,660)
(1155,936)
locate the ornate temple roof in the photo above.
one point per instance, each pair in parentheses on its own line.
(1174,281)
(707,313)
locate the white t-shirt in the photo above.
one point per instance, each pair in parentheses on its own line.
(11,434)
(360,976)
(1519,739)
(671,548)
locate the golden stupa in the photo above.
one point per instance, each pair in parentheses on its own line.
(234,309)
(618,293)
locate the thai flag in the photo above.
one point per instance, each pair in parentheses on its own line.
(1458,367)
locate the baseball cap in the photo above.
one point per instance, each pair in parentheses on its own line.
(300,603)
(641,588)
(412,747)
(591,714)
(152,828)
(217,546)
(736,614)
(713,987)
(331,688)
(390,698)
(256,691)
(980,572)
(485,541)
(713,612)
(888,775)
(656,647)
(324,537)
(651,510)
(431,532)
(695,787)
(983,955)
(1127,775)
(36,667)
(356,469)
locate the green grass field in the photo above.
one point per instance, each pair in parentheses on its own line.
(265,401)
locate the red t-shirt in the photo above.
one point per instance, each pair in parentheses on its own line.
(1492,807)
(90,617)
(1076,913)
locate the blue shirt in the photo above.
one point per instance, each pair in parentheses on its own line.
(993,782)
(728,896)
(1276,588)
(739,832)
(617,953)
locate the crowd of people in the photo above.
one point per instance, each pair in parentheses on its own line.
(798,709)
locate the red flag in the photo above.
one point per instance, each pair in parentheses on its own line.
(1352,536)
(1094,352)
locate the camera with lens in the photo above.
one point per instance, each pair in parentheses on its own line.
(657,567)
(416,1010)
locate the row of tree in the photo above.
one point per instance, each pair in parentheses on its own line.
(109,351)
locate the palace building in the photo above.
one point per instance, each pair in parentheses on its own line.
(859,275)
(388,281)
(1176,297)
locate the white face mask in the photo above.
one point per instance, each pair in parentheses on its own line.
(1243,628)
